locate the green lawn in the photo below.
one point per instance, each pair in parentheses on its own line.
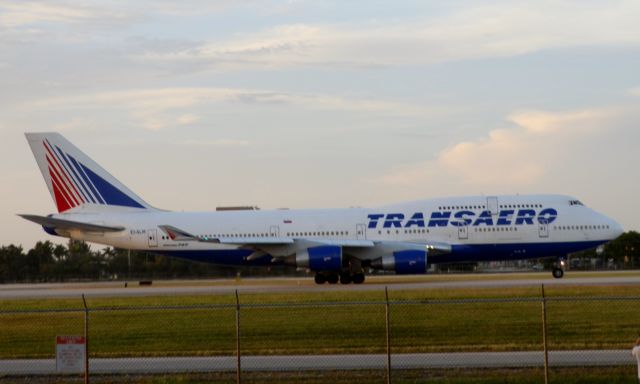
(599,375)
(429,320)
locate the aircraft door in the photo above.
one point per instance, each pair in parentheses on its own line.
(543,229)
(463,232)
(152,234)
(361,232)
(492,205)
(274,231)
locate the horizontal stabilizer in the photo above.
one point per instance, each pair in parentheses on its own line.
(54,223)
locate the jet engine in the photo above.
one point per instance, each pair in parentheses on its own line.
(320,258)
(408,262)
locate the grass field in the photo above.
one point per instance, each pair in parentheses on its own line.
(600,375)
(429,320)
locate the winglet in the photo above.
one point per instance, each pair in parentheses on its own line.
(50,222)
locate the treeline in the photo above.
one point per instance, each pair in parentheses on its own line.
(48,262)
(621,253)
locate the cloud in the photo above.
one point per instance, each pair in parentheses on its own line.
(497,30)
(74,124)
(220,143)
(187,119)
(537,146)
(156,109)
(23,13)
(45,23)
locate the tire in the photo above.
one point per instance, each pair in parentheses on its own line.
(358,278)
(557,273)
(345,278)
(333,278)
(320,279)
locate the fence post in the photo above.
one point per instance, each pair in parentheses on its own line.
(238,357)
(86,340)
(388,333)
(544,337)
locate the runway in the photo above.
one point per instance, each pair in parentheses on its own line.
(158,365)
(305,284)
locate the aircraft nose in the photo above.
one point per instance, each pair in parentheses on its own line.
(616,229)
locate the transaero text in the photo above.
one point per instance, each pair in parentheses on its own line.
(462,218)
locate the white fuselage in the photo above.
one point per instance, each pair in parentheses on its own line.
(512,226)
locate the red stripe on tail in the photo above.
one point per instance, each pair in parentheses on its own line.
(61,201)
(67,180)
(63,188)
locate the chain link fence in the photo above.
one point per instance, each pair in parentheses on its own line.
(529,340)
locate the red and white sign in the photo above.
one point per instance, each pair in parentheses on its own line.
(70,354)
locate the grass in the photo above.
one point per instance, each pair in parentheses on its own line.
(427,320)
(599,375)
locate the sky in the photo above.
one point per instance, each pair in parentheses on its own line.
(318,104)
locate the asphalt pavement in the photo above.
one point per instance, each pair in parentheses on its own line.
(150,365)
(265,285)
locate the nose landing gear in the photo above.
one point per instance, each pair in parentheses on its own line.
(558,271)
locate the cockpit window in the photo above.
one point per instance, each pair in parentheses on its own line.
(575,202)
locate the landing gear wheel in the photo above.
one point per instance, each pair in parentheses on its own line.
(345,278)
(557,273)
(333,278)
(358,278)
(320,278)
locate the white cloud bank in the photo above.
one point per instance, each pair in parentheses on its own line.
(26,13)
(540,147)
(155,109)
(496,30)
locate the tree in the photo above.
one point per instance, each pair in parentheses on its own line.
(625,250)
(11,263)
(40,261)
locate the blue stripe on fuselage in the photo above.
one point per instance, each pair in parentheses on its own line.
(459,253)
(234,257)
(514,251)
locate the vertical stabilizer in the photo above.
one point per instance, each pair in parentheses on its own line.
(74,179)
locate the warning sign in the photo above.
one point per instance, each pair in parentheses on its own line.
(70,354)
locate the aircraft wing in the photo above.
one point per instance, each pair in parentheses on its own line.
(347,243)
(178,234)
(54,223)
(285,246)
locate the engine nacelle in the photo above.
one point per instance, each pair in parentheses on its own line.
(50,231)
(320,258)
(409,262)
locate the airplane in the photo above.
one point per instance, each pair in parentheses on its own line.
(338,245)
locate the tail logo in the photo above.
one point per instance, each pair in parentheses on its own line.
(75,184)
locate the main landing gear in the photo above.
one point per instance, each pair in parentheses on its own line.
(331,278)
(344,277)
(558,271)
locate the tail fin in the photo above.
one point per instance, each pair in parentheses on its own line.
(74,179)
